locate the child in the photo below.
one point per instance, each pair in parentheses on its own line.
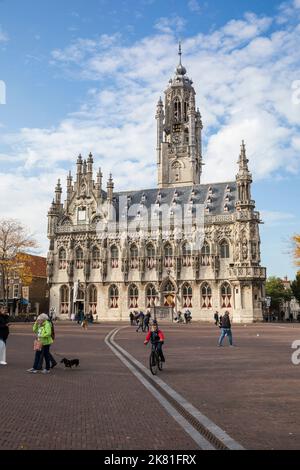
(157,338)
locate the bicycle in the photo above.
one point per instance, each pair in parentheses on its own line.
(155,360)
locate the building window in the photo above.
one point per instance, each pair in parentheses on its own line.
(224,249)
(79,258)
(62,257)
(93,300)
(64,300)
(168,252)
(226,295)
(186,255)
(206,296)
(177,110)
(151,296)
(150,263)
(187,296)
(16,291)
(82,214)
(95,258)
(205,254)
(169,295)
(134,257)
(114,257)
(133,294)
(113,296)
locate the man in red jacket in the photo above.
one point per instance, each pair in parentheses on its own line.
(157,338)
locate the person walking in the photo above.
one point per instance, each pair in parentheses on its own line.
(225,329)
(4,332)
(43,330)
(141,321)
(131,316)
(216,317)
(53,362)
(147,321)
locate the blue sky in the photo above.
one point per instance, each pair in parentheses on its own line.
(85,76)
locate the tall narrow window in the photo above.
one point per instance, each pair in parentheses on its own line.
(187,296)
(95,258)
(150,256)
(79,258)
(226,295)
(134,257)
(205,254)
(62,258)
(133,294)
(168,252)
(224,249)
(186,255)
(114,257)
(93,300)
(113,296)
(206,296)
(151,296)
(177,110)
(64,300)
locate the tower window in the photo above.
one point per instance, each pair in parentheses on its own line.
(177,110)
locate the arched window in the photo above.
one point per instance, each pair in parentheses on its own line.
(113,296)
(93,300)
(187,296)
(134,257)
(150,256)
(169,295)
(79,258)
(205,254)
(62,257)
(177,110)
(114,257)
(185,111)
(224,249)
(186,254)
(64,300)
(168,252)
(151,296)
(95,258)
(226,295)
(133,296)
(206,296)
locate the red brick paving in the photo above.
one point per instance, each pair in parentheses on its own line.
(251,391)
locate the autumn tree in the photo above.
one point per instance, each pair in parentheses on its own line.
(278,293)
(15,240)
(295,286)
(296,240)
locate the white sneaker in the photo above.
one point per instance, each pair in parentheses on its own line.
(32,371)
(3,363)
(45,371)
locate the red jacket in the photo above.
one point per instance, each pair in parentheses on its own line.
(159,334)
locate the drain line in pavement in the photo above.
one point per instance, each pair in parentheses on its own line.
(213,434)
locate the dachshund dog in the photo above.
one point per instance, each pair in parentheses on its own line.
(70,363)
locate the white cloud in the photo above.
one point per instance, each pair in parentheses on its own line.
(169,25)
(194,6)
(276,218)
(3,35)
(242,73)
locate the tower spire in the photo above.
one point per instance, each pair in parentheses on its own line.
(180,53)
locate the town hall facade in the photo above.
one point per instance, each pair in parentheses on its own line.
(115,252)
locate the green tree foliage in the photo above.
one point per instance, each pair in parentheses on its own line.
(278,293)
(295,286)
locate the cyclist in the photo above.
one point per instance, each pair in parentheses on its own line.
(157,338)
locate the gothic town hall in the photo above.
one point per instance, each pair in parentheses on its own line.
(111,272)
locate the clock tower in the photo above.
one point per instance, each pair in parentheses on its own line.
(179,129)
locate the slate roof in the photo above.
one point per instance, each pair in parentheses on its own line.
(213,196)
